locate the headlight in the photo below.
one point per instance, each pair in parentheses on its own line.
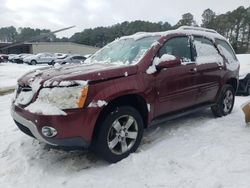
(64,97)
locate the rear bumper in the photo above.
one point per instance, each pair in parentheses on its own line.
(72,130)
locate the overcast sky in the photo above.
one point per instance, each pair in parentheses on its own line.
(55,14)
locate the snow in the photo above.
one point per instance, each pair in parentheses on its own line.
(65,83)
(193,151)
(56,98)
(207,53)
(148,106)
(157,60)
(126,74)
(24,98)
(181,30)
(10,72)
(155,44)
(98,103)
(39,107)
(51,82)
(244,60)
(232,63)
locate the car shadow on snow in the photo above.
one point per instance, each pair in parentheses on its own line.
(71,160)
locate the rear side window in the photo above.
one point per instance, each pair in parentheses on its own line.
(206,52)
(226,50)
(179,47)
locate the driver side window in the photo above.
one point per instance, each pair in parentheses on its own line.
(179,47)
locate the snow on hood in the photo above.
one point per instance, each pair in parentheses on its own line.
(244,60)
(80,72)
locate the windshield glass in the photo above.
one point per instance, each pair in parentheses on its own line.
(124,51)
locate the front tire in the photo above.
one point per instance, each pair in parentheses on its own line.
(225,102)
(119,134)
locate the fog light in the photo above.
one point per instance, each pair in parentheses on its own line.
(49,131)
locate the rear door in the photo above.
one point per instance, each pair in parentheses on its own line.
(177,86)
(210,69)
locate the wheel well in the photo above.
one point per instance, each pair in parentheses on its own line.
(233,82)
(133,100)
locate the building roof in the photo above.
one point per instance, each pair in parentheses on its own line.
(60,43)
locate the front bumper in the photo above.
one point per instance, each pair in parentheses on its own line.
(73,129)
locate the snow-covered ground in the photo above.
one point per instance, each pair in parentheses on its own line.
(244,60)
(10,72)
(193,151)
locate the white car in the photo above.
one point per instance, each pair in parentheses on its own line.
(41,58)
(244,75)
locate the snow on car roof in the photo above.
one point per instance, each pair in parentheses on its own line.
(186,30)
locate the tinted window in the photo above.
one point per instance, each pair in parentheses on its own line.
(179,47)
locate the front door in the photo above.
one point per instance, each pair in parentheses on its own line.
(176,87)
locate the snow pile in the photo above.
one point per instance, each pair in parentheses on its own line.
(99,103)
(57,65)
(244,60)
(24,98)
(198,31)
(38,72)
(36,84)
(157,60)
(51,101)
(194,151)
(140,35)
(40,107)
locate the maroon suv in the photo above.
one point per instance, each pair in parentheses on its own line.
(130,84)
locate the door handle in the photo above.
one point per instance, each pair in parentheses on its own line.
(193,71)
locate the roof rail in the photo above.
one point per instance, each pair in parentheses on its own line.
(197,29)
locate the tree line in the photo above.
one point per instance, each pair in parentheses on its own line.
(234,25)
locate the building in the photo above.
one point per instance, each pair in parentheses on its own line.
(52,47)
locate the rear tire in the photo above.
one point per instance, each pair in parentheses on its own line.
(119,134)
(225,102)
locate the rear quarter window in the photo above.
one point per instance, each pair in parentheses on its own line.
(228,52)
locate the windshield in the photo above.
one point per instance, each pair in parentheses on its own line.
(124,51)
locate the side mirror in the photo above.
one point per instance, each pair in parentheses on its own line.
(169,64)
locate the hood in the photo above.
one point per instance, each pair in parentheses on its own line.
(84,72)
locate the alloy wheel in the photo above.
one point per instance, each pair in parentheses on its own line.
(228,101)
(122,134)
